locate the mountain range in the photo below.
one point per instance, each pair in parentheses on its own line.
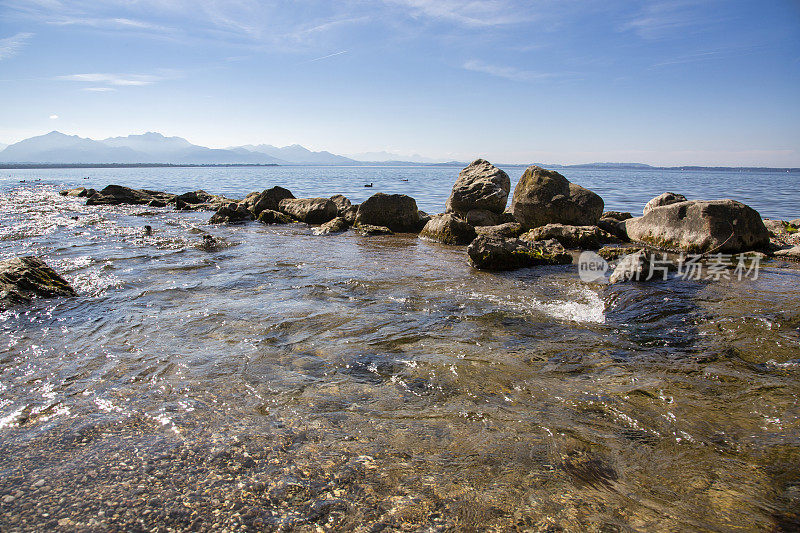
(56,147)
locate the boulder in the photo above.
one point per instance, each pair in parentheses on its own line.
(231,214)
(509,229)
(448,229)
(25,278)
(397,212)
(341,201)
(369,230)
(634,267)
(482,217)
(724,226)
(268,216)
(337,225)
(480,186)
(792,253)
(309,210)
(782,233)
(545,196)
(494,253)
(117,195)
(614,226)
(583,237)
(266,199)
(79,192)
(667,198)
(349,214)
(616,215)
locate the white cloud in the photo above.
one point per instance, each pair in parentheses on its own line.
(109,23)
(663,18)
(53,117)
(119,80)
(99,89)
(10,46)
(509,73)
(470,13)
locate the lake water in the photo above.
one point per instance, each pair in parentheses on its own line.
(288,381)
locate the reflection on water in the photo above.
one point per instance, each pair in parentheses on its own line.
(292,381)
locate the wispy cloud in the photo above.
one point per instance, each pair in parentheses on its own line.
(707,55)
(109,80)
(99,89)
(10,46)
(470,13)
(109,23)
(326,57)
(663,18)
(509,73)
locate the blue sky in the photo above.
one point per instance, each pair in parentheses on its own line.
(662,82)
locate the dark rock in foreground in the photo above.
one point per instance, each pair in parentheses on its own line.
(545,196)
(268,216)
(370,230)
(337,225)
(448,229)
(309,210)
(198,201)
(493,253)
(25,278)
(398,212)
(509,229)
(583,237)
(480,186)
(267,199)
(117,195)
(724,226)
(80,192)
(230,214)
(634,267)
(668,198)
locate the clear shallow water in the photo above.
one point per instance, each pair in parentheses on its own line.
(289,380)
(773,194)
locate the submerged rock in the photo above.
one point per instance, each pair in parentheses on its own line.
(493,253)
(583,237)
(369,230)
(337,225)
(117,195)
(309,210)
(231,213)
(667,198)
(268,216)
(480,187)
(545,196)
(634,267)
(25,278)
(397,212)
(724,226)
(79,192)
(448,229)
(270,199)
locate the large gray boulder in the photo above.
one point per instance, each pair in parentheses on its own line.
(480,186)
(337,225)
(397,212)
(268,216)
(231,213)
(724,226)
(583,237)
(309,210)
(667,198)
(448,229)
(267,199)
(117,195)
(489,252)
(509,229)
(545,196)
(25,278)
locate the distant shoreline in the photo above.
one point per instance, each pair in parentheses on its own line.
(601,166)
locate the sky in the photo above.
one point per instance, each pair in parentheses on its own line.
(664,82)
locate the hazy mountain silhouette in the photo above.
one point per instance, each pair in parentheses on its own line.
(296,154)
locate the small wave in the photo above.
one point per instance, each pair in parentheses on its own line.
(584,305)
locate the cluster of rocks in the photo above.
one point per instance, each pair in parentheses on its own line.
(548,222)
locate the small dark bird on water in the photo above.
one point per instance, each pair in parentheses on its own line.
(367,185)
(403,179)
(208,243)
(148,230)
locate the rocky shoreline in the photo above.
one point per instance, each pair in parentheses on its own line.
(549,221)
